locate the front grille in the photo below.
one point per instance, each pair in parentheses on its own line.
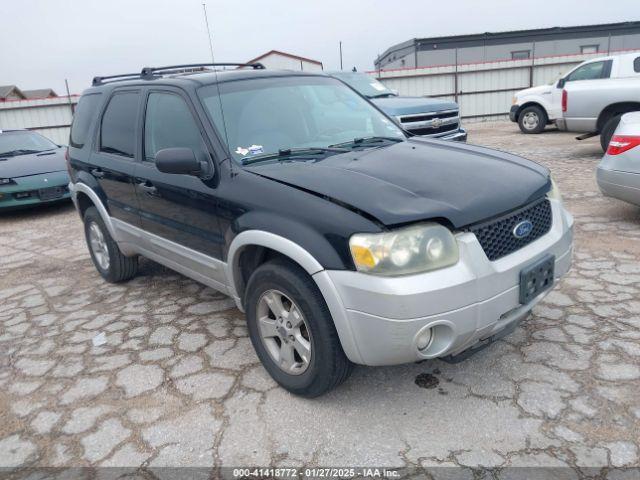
(428,116)
(497,238)
(434,131)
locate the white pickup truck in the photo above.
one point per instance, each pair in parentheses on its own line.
(589,99)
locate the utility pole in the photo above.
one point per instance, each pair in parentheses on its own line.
(340,54)
(206,21)
(66,84)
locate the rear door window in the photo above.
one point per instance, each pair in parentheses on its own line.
(119,122)
(82,118)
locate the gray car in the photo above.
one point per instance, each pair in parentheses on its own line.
(619,171)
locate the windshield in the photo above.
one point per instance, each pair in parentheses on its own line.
(266,115)
(17,143)
(364,84)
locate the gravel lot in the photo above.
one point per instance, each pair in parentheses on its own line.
(178,383)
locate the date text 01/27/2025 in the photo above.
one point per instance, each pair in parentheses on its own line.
(317,472)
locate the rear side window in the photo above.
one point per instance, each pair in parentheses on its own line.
(118,129)
(636,65)
(82,118)
(590,71)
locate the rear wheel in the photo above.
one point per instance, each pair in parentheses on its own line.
(112,265)
(292,330)
(532,119)
(608,130)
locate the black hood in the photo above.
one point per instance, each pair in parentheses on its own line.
(418,180)
(32,164)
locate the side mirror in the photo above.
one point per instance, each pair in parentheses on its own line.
(561,83)
(178,160)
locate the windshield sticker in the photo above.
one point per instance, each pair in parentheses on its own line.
(252,150)
(255,149)
(378,86)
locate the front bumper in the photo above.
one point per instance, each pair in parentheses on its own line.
(624,186)
(35,189)
(379,318)
(459,136)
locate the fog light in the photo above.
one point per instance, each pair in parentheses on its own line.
(424,339)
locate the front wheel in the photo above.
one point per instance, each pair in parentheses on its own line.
(292,330)
(532,119)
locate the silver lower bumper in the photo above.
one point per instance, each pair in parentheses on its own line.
(459,136)
(379,318)
(621,185)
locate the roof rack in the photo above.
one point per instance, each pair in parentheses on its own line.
(115,78)
(153,72)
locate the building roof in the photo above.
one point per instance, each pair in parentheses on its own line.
(284,54)
(6,90)
(537,34)
(40,93)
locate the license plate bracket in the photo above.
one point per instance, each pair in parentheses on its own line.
(536,278)
(50,193)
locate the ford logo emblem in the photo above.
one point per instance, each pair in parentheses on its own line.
(522,229)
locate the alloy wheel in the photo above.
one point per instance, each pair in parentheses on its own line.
(284,332)
(98,245)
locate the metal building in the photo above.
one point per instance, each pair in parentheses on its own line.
(515,45)
(49,116)
(277,60)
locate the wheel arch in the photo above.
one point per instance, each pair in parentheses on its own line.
(86,197)
(260,243)
(259,239)
(531,103)
(615,109)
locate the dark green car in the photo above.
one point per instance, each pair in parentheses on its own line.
(32,170)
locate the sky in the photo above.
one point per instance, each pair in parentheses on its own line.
(42,42)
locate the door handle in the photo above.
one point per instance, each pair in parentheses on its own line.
(148,188)
(98,173)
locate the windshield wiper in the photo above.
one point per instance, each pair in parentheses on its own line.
(383,95)
(291,153)
(360,142)
(14,153)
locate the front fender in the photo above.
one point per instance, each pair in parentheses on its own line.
(535,99)
(310,264)
(328,248)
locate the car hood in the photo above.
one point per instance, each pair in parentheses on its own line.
(412,105)
(33,164)
(418,180)
(539,90)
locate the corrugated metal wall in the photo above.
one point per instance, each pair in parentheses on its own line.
(50,117)
(483,90)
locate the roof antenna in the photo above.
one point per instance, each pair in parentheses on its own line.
(206,21)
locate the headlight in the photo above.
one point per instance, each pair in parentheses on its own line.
(5,181)
(554,193)
(419,248)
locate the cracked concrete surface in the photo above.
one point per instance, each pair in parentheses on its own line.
(177,382)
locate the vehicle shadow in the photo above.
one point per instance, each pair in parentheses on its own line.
(32,212)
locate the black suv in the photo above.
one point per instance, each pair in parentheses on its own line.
(344,239)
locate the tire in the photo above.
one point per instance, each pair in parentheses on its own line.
(608,130)
(117,268)
(532,119)
(327,366)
